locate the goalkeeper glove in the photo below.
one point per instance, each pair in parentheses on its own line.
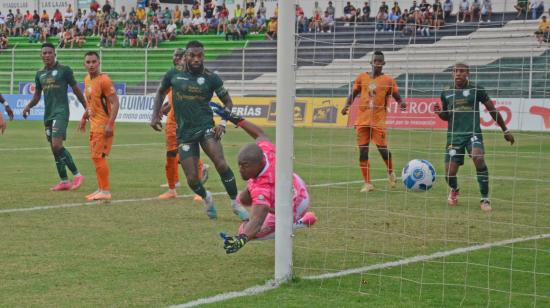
(225,113)
(233,244)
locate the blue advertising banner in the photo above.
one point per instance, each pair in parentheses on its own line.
(18,102)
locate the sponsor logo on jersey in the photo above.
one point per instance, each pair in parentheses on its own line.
(200,80)
(54,73)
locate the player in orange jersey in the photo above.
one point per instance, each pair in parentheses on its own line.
(102,111)
(172,157)
(375,89)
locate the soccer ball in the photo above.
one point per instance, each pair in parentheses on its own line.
(418,175)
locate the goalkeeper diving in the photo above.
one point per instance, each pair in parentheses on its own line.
(257,167)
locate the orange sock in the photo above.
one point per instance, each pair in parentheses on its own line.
(389,165)
(200,169)
(171,168)
(365,170)
(102,173)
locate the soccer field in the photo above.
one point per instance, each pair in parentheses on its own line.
(57,250)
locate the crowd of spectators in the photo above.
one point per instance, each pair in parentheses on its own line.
(147,26)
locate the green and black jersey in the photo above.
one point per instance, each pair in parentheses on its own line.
(53,83)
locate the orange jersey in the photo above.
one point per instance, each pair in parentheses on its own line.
(97,90)
(170,129)
(374,99)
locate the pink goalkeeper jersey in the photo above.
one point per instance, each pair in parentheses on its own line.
(262,188)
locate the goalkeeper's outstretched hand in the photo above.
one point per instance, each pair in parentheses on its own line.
(233,244)
(225,113)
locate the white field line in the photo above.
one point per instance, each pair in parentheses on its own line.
(121,201)
(80,147)
(270,285)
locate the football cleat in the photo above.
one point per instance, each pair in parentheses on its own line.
(61,186)
(485,205)
(367,187)
(77,181)
(453,197)
(210,207)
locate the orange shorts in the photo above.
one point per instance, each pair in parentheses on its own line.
(100,146)
(170,134)
(366,134)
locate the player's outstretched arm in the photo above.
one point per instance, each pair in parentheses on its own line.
(157,115)
(500,121)
(250,128)
(232,244)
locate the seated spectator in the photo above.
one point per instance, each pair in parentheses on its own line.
(271,33)
(232,30)
(171,31)
(3,41)
(315,24)
(521,7)
(244,28)
(418,18)
(302,23)
(44,17)
(423,6)
(154,33)
(543,30)
(260,22)
(439,19)
(406,23)
(536,8)
(463,11)
(330,10)
(154,5)
(33,33)
(262,10)
(447,9)
(35,17)
(144,38)
(44,32)
(348,13)
(475,10)
(394,17)
(187,25)
(380,21)
(196,11)
(10,23)
(327,22)
(65,38)
(486,10)
(134,36)
(249,13)
(167,16)
(104,38)
(222,20)
(426,24)
(112,35)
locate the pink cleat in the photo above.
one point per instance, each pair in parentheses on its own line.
(77,181)
(61,186)
(452,200)
(308,219)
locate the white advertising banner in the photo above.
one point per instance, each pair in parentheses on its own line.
(22,5)
(51,5)
(133,108)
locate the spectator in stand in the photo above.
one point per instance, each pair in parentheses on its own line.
(33,33)
(394,17)
(112,35)
(186,13)
(521,7)
(154,5)
(249,3)
(463,11)
(223,16)
(238,12)
(94,6)
(423,6)
(327,22)
(447,9)
(144,38)
(154,32)
(104,38)
(380,20)
(3,23)
(543,30)
(426,21)
(3,41)
(250,12)
(487,10)
(302,23)
(18,30)
(260,22)
(418,18)
(232,30)
(475,10)
(271,33)
(219,5)
(176,16)
(35,17)
(298,10)
(366,12)
(315,24)
(10,22)
(28,16)
(413,7)
(347,13)
(195,11)
(140,15)
(331,10)
(244,28)
(187,25)
(134,36)
(44,32)
(171,31)
(385,7)
(439,18)
(106,8)
(262,10)
(167,16)
(536,8)
(317,9)
(404,25)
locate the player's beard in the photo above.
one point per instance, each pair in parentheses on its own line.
(197,69)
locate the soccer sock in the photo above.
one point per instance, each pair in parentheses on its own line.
(69,161)
(60,165)
(230,184)
(102,173)
(453,182)
(389,164)
(171,171)
(198,189)
(483,180)
(365,170)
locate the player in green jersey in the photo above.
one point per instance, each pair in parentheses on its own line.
(53,80)
(192,88)
(461,110)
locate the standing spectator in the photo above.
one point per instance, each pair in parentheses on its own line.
(167,17)
(57,16)
(196,11)
(537,8)
(223,18)
(385,7)
(327,23)
(140,15)
(413,7)
(423,6)
(302,23)
(18,23)
(463,11)
(271,33)
(69,12)
(10,22)
(94,6)
(475,11)
(487,10)
(249,11)
(298,10)
(28,16)
(366,12)
(35,17)
(330,9)
(186,13)
(106,8)
(262,10)
(447,9)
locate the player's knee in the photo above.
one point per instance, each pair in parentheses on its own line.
(384,152)
(363,154)
(193,181)
(479,162)
(57,148)
(221,166)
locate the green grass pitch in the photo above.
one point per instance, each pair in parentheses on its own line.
(141,252)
